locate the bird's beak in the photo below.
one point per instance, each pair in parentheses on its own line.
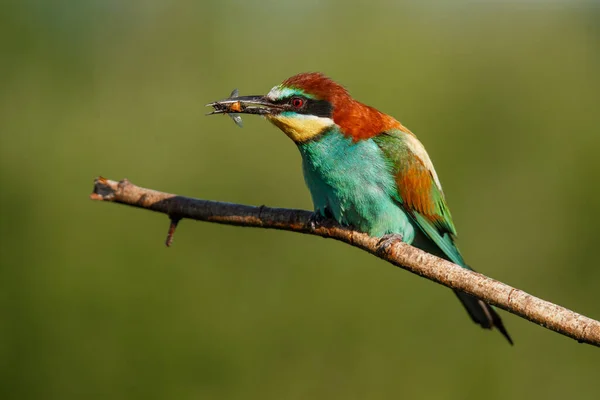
(244,105)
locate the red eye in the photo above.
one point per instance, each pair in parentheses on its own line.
(297,102)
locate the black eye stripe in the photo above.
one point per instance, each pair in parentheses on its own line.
(318,108)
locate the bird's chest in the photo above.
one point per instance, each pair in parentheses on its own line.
(350,180)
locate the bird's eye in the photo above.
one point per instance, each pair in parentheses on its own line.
(297,102)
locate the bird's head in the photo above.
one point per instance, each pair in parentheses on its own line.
(308,104)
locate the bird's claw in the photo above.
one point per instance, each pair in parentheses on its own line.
(315,220)
(387,241)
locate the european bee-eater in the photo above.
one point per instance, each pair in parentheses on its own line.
(364,169)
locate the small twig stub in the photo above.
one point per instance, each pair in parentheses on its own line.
(171,232)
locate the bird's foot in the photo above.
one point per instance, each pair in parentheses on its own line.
(316,220)
(387,241)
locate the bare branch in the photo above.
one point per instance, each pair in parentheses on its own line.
(544,313)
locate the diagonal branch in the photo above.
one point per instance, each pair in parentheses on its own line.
(544,313)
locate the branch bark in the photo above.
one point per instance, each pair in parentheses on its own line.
(541,312)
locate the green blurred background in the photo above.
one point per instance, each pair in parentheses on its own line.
(92,305)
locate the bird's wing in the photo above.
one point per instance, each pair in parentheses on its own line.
(419,190)
(420,195)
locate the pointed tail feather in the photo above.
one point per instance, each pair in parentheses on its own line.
(429,240)
(482,313)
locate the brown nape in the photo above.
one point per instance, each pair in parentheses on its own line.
(361,121)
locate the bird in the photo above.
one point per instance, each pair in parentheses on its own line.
(364,169)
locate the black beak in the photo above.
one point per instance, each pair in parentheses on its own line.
(244,105)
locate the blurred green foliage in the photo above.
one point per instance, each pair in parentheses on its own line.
(92,306)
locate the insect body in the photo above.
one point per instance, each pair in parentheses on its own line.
(229,107)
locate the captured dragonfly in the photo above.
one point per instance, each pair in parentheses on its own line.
(228,106)
(234,105)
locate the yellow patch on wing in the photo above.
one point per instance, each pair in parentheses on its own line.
(301,128)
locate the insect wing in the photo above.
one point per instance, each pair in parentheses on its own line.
(237,119)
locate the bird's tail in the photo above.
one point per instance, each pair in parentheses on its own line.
(482,313)
(443,246)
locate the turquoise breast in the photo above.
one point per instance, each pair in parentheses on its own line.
(353,182)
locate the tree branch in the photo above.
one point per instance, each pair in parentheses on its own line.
(544,313)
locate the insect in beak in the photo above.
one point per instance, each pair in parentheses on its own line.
(235,105)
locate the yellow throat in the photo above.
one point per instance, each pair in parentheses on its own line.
(300,128)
